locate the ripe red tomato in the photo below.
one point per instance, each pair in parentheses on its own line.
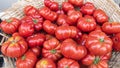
(28,60)
(68,63)
(98,43)
(36,51)
(51,49)
(70,49)
(100,16)
(10,25)
(60,11)
(78,3)
(29,10)
(15,46)
(66,6)
(49,27)
(111,27)
(45,63)
(86,24)
(36,40)
(48,14)
(88,8)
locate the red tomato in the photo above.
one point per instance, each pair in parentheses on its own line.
(10,26)
(60,11)
(15,46)
(70,49)
(36,40)
(86,24)
(51,49)
(88,8)
(45,63)
(73,16)
(98,43)
(51,4)
(78,3)
(36,51)
(111,27)
(66,6)
(100,16)
(29,10)
(48,14)
(28,60)
(49,27)
(68,63)
(116,42)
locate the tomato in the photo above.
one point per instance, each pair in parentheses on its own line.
(70,49)
(73,16)
(78,3)
(86,24)
(116,42)
(88,8)
(51,4)
(49,27)
(36,40)
(66,6)
(100,16)
(51,49)
(111,27)
(36,51)
(48,14)
(62,19)
(98,43)
(26,29)
(10,25)
(64,32)
(15,46)
(28,60)
(29,10)
(68,63)
(45,63)
(60,11)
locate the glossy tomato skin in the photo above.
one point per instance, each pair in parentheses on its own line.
(98,43)
(82,40)
(51,49)
(77,3)
(111,27)
(100,16)
(60,11)
(49,27)
(45,63)
(116,42)
(36,51)
(88,8)
(30,10)
(73,16)
(28,60)
(48,14)
(10,26)
(15,46)
(86,24)
(66,6)
(68,63)
(70,49)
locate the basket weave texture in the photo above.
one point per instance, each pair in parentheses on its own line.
(16,10)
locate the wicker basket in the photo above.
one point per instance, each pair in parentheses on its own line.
(109,6)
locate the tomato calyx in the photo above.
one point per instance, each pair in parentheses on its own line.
(23,57)
(9,20)
(35,21)
(101,39)
(53,51)
(96,60)
(88,20)
(66,66)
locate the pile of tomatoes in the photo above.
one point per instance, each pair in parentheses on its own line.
(73,35)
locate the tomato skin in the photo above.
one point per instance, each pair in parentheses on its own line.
(66,6)
(100,16)
(70,49)
(45,63)
(49,27)
(116,42)
(86,24)
(51,49)
(15,46)
(78,3)
(88,8)
(111,27)
(60,11)
(98,43)
(48,14)
(28,60)
(30,10)
(36,51)
(82,40)
(68,63)
(10,26)
(73,16)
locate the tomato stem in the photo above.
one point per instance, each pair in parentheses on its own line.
(53,51)
(88,20)
(66,67)
(23,57)
(97,59)
(9,20)
(35,21)
(101,39)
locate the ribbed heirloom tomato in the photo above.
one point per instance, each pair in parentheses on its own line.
(78,3)
(66,6)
